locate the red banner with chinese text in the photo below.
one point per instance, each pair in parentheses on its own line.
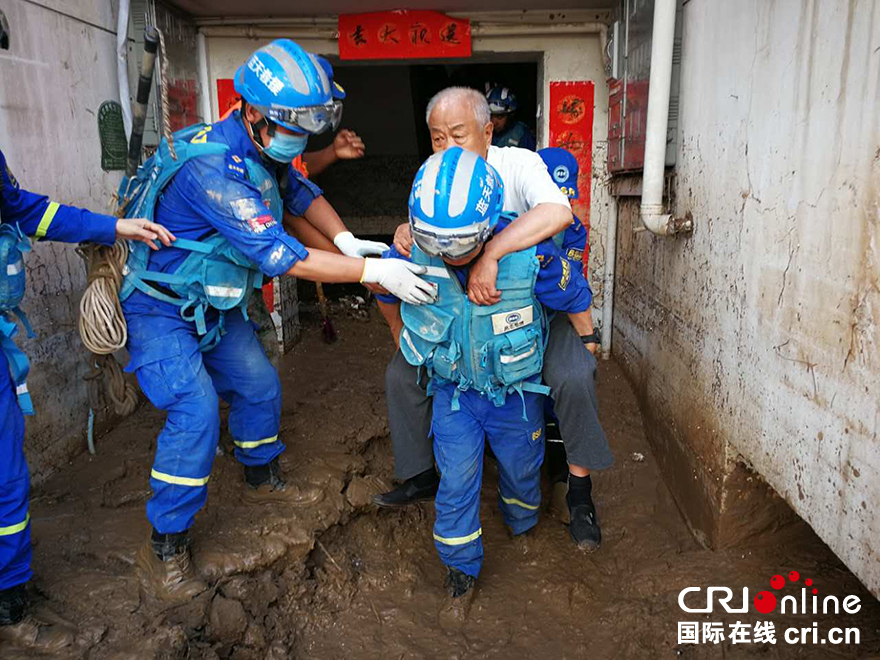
(403,34)
(571,127)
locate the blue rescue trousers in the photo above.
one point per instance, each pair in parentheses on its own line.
(15,529)
(459,439)
(178,378)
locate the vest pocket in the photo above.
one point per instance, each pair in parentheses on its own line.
(225,284)
(425,326)
(518,355)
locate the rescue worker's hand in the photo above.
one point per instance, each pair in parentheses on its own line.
(403,239)
(592,348)
(355,247)
(347,145)
(138,229)
(481,281)
(399,277)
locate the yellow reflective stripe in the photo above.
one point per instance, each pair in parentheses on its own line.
(179,481)
(256,443)
(460,540)
(513,500)
(15,529)
(46,220)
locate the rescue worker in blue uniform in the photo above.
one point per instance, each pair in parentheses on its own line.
(484,362)
(188,336)
(25,214)
(506,130)
(572,487)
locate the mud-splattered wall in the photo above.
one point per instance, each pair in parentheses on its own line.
(59,69)
(755,341)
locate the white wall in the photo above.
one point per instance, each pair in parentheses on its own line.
(59,69)
(764,325)
(564,57)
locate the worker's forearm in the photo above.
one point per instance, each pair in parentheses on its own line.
(391,314)
(324,218)
(582,322)
(307,234)
(318,161)
(542,222)
(323,266)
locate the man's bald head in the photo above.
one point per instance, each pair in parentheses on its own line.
(459,116)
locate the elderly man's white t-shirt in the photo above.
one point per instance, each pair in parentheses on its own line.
(527,182)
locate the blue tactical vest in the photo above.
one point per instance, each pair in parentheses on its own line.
(513,136)
(13,245)
(215,275)
(494,349)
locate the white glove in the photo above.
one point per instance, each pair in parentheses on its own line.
(399,278)
(355,247)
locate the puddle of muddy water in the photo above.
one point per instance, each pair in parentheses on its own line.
(344,580)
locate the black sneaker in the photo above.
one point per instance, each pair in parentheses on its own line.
(458,583)
(584,525)
(416,489)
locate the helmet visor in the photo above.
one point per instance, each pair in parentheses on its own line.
(313,119)
(454,245)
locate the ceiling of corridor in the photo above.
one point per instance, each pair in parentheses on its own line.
(288,8)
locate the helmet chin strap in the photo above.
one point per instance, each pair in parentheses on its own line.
(254,128)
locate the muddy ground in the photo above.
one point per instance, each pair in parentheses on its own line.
(343,580)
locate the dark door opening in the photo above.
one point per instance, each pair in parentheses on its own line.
(385,105)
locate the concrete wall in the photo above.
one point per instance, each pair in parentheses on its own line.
(754,343)
(59,69)
(562,57)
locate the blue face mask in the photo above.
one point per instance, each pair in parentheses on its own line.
(284,147)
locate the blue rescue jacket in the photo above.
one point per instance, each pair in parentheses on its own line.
(215,275)
(494,349)
(13,245)
(24,214)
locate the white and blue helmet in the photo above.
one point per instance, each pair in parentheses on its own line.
(454,204)
(289,86)
(501,100)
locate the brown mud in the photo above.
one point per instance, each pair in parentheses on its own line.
(341,579)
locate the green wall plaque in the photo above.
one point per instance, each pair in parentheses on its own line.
(111,130)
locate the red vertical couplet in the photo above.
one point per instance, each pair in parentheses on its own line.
(571,127)
(403,34)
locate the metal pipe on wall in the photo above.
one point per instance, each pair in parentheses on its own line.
(653,212)
(122,64)
(204,84)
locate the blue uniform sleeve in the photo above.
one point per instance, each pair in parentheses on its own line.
(234,207)
(300,193)
(388,298)
(41,218)
(559,286)
(574,241)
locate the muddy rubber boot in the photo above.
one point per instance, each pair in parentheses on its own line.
(27,632)
(421,487)
(460,587)
(584,525)
(165,569)
(264,485)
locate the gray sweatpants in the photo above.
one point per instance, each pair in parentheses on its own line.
(569,370)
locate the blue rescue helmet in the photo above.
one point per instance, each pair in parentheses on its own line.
(454,204)
(290,87)
(501,100)
(563,168)
(335,88)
